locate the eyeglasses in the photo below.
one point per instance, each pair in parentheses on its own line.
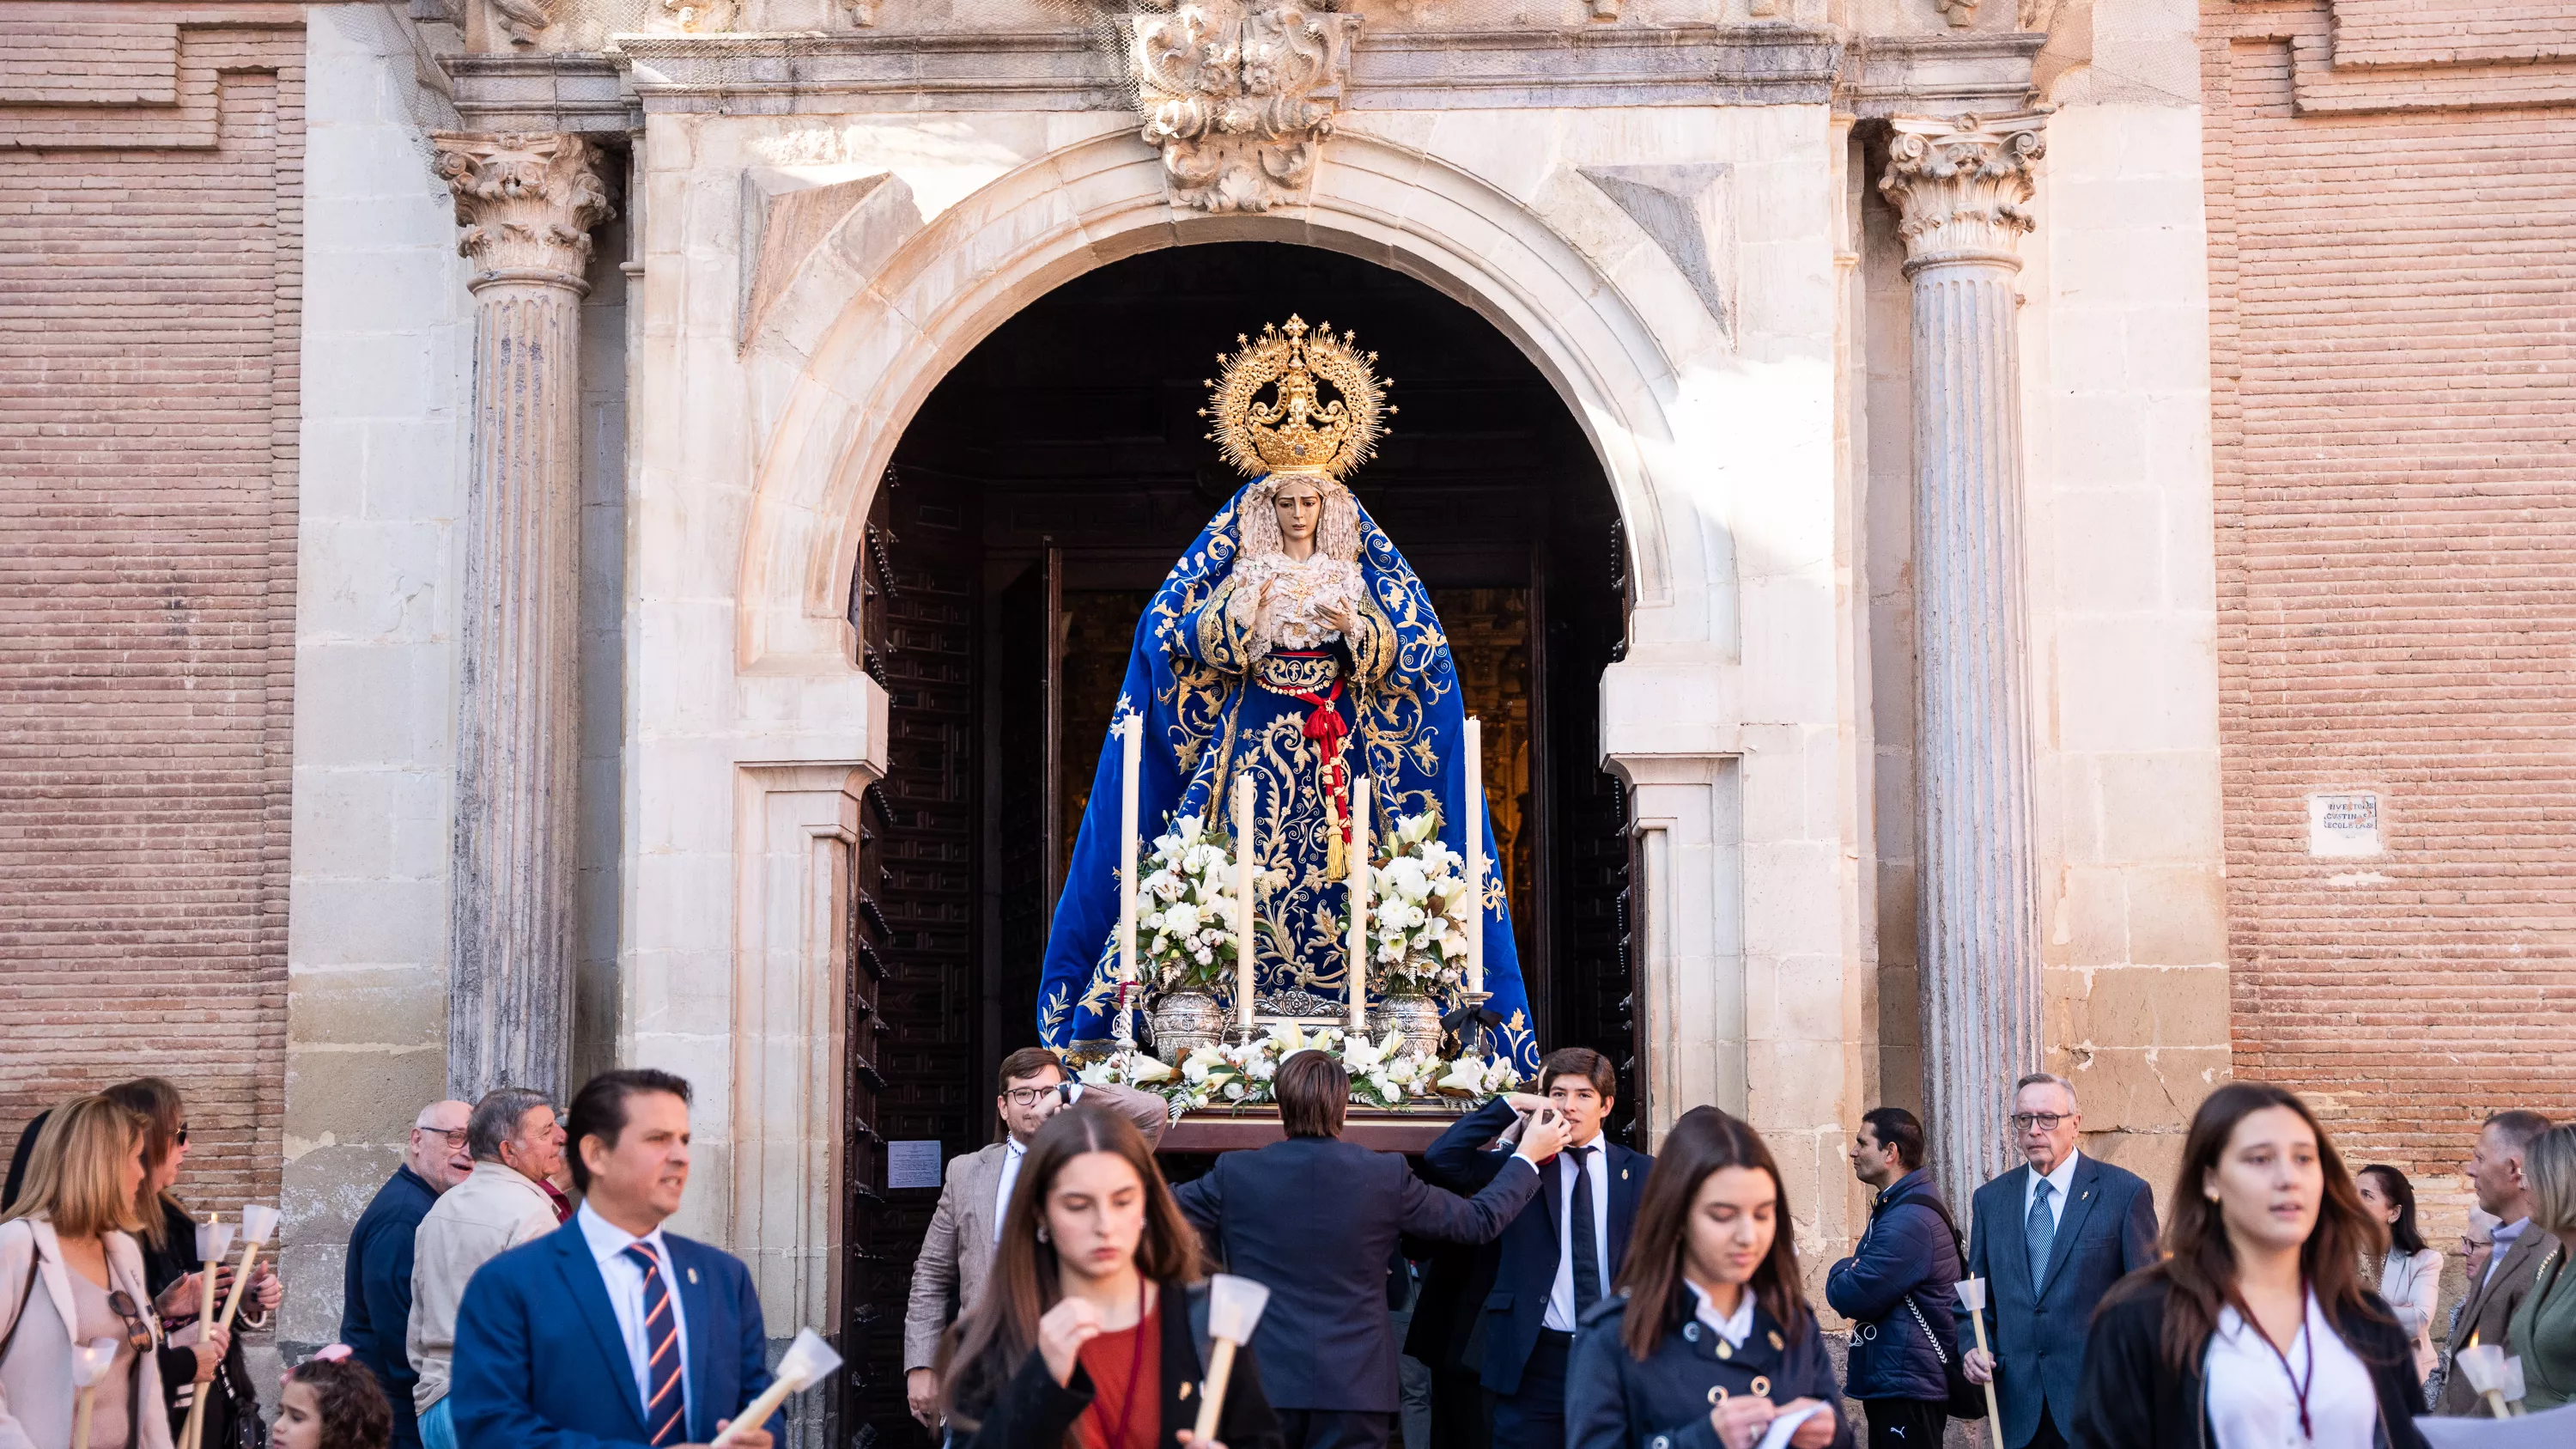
(1031,1096)
(182,1138)
(138,1330)
(2044,1121)
(455,1139)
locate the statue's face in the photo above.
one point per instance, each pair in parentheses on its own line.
(1300,506)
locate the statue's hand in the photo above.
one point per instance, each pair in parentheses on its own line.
(1345,619)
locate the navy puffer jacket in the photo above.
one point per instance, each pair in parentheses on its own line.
(1907,1251)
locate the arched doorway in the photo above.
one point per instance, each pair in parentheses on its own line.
(1036,496)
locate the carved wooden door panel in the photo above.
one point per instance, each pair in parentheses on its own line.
(916,606)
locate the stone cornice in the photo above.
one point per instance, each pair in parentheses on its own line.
(527,203)
(1961,186)
(1072,70)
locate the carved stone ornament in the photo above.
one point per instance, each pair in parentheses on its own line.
(1960,13)
(1239,96)
(1962,187)
(527,203)
(521,20)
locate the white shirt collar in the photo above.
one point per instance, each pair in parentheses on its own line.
(1734,1327)
(607,1239)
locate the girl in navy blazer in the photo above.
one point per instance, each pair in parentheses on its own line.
(1092,1329)
(1708,1338)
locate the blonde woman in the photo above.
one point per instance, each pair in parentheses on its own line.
(70,1274)
(2543,1331)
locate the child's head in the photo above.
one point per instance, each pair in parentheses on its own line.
(332,1402)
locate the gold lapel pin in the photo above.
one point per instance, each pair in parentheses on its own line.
(693,1275)
(1775,1339)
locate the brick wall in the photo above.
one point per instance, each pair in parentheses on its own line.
(150,246)
(2390,327)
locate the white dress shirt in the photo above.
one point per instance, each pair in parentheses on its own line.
(2059,1181)
(2254,1400)
(1560,1297)
(2504,1238)
(1733,1327)
(1012,1155)
(624,1278)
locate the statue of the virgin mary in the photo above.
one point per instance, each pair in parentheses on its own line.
(1291,643)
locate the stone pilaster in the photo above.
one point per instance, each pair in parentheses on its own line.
(1961,188)
(527,204)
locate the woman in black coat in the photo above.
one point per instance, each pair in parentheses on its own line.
(1709,1337)
(1093,1326)
(171,1271)
(2256,1328)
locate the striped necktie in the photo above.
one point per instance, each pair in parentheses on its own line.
(665,1407)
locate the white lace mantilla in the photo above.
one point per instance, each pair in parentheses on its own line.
(1295,601)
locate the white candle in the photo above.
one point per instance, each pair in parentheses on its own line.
(1132,742)
(1359,905)
(1475,798)
(1243,913)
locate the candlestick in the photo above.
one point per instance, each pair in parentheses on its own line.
(1475,854)
(1972,1296)
(90,1363)
(257,1223)
(213,1240)
(1132,742)
(1243,912)
(1359,891)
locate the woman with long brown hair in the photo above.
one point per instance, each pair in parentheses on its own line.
(1092,1328)
(1709,1337)
(2256,1329)
(71,1279)
(168,1238)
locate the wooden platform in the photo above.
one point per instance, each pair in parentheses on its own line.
(1406,1130)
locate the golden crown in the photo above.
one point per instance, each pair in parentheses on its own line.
(1297,432)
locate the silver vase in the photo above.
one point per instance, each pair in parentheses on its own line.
(1183,1022)
(1414,1017)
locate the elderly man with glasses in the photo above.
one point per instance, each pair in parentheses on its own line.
(375,1310)
(2050,1238)
(958,1249)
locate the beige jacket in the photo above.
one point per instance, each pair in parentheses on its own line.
(36,1396)
(492,1211)
(948,1274)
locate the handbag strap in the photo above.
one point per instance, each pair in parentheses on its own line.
(35,1259)
(1926,1325)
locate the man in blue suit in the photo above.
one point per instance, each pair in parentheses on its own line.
(1326,1347)
(2049,1238)
(609,1333)
(1555,1261)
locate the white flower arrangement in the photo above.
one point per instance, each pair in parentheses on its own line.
(1420,912)
(1240,1074)
(1185,909)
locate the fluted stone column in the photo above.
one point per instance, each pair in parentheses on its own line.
(1960,188)
(527,204)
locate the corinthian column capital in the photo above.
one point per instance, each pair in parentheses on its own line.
(1962,186)
(527,202)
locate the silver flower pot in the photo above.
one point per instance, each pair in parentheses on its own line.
(1412,1016)
(1183,1022)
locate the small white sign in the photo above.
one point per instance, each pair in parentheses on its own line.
(2343,825)
(912,1164)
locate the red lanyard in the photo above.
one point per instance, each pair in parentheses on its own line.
(1117,1435)
(2298,1386)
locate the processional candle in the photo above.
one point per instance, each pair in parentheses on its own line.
(1243,951)
(1475,855)
(1359,905)
(1131,742)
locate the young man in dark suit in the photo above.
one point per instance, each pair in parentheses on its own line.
(608,1330)
(2050,1238)
(1557,1259)
(1326,1348)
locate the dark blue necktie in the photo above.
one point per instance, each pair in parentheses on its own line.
(1586,1243)
(2039,1232)
(665,1407)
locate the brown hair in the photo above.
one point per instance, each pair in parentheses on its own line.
(348,1401)
(73,1178)
(1314,1093)
(982,1350)
(1027,1062)
(1703,1141)
(157,1103)
(1581,1062)
(2199,1267)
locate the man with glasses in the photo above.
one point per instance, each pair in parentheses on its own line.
(375,1311)
(958,1249)
(2050,1238)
